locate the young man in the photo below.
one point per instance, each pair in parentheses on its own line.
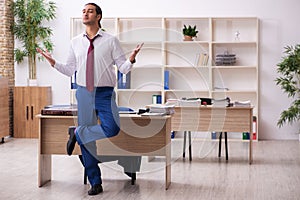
(101,51)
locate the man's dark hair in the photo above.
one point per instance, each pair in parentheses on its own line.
(98,11)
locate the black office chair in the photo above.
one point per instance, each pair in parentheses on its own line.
(190,145)
(205,101)
(220,144)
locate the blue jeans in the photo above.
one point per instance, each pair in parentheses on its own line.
(101,102)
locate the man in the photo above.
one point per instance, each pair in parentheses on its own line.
(101,51)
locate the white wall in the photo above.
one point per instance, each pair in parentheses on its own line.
(279,27)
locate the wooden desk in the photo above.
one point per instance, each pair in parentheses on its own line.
(139,136)
(219,119)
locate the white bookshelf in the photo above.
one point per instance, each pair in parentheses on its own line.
(164,49)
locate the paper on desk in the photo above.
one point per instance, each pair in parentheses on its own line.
(242,103)
(161,109)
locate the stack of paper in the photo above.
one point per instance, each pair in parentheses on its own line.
(160,109)
(221,102)
(190,103)
(172,102)
(242,103)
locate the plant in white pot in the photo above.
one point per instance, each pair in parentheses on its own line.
(289,81)
(189,32)
(29,29)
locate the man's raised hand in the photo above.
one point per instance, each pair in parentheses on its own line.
(46,54)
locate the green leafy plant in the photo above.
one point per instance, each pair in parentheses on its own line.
(289,81)
(190,31)
(28,28)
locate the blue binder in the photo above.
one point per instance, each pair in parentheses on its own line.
(124,80)
(73,81)
(166,80)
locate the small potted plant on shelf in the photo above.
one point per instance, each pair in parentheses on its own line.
(189,32)
(289,81)
(30,31)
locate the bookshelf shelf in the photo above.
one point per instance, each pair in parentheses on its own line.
(186,90)
(187,42)
(235,42)
(139,90)
(186,67)
(140,41)
(234,67)
(164,51)
(235,91)
(150,66)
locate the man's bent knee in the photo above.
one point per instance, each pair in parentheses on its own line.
(111,132)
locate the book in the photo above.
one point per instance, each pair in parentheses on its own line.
(205,60)
(201,59)
(74,81)
(124,80)
(166,79)
(73,100)
(156,99)
(62,110)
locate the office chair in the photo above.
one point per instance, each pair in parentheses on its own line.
(190,145)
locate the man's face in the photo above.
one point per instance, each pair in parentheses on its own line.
(89,15)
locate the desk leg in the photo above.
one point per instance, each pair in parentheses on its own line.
(184,143)
(168,167)
(250,142)
(168,157)
(226,147)
(44,169)
(190,145)
(250,149)
(220,144)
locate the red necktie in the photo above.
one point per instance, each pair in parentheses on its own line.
(90,66)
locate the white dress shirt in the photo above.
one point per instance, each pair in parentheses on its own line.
(107,53)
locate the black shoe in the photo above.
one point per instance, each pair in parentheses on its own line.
(72,140)
(96,189)
(131,175)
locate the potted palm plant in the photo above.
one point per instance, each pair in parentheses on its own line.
(189,32)
(29,29)
(289,81)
